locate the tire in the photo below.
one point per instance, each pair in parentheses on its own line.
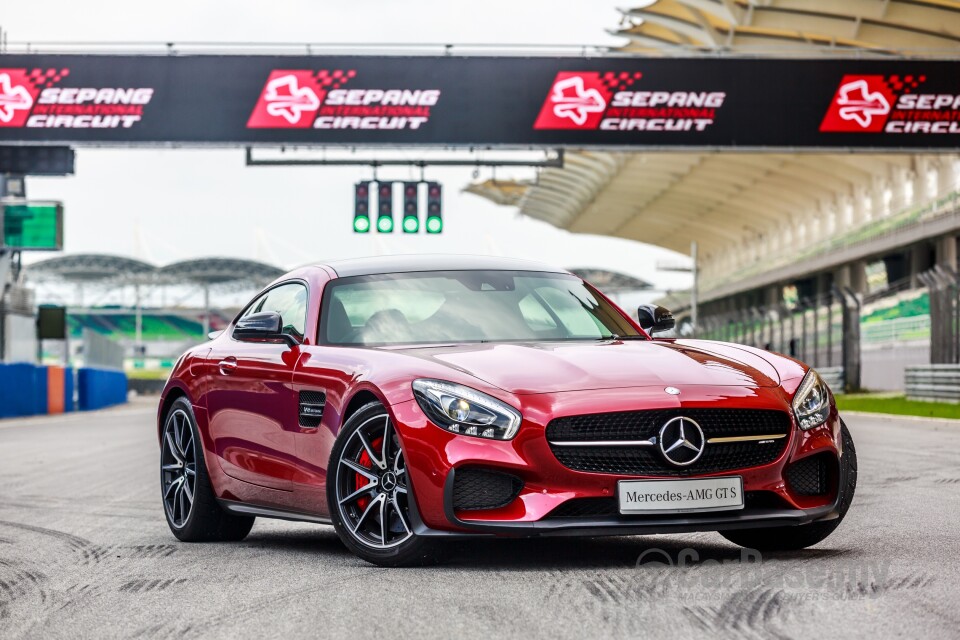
(368,493)
(805,535)
(189,502)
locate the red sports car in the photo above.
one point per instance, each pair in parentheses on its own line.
(405,400)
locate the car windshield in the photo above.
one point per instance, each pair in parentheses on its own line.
(466,306)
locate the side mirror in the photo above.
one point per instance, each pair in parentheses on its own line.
(266,326)
(655,319)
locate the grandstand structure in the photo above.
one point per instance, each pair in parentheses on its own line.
(772,229)
(157,334)
(153,337)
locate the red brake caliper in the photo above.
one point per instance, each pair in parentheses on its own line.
(359,480)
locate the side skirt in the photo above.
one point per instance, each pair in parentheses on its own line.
(244,509)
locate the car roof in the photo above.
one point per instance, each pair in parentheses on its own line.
(432,262)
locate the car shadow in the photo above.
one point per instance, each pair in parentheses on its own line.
(547,554)
(539,554)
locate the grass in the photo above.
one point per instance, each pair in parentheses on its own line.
(897,405)
(148,374)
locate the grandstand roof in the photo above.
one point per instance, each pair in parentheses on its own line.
(611,281)
(211,271)
(801,27)
(95,267)
(743,208)
(90,267)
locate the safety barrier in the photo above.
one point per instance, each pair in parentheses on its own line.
(99,388)
(833,376)
(29,390)
(939,382)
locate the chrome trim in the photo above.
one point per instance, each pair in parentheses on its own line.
(604,443)
(775,436)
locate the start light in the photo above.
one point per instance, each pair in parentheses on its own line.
(466,411)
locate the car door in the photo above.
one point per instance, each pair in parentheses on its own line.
(251,403)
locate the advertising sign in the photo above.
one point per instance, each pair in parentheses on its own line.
(605,102)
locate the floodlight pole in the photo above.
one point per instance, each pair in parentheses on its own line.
(138,339)
(206,310)
(694,290)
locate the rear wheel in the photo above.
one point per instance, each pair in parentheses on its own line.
(369,492)
(806,535)
(189,502)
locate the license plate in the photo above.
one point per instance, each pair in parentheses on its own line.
(680,496)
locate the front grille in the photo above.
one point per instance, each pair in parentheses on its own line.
(644,425)
(475,489)
(608,507)
(808,477)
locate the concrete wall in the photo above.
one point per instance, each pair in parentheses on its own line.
(883,368)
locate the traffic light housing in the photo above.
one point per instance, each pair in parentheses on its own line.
(385,207)
(361,207)
(434,221)
(411,207)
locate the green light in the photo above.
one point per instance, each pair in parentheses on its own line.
(434,225)
(411,224)
(385,224)
(361,224)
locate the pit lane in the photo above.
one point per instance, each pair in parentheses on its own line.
(85,552)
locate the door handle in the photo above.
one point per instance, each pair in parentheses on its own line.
(228,365)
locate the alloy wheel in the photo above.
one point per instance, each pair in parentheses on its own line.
(371,486)
(178,468)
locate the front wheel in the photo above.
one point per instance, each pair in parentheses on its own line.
(368,492)
(189,502)
(805,535)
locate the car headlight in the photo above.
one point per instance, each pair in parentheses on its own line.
(466,411)
(811,404)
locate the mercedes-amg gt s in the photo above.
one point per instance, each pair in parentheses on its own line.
(405,400)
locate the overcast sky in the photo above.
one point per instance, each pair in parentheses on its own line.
(164,205)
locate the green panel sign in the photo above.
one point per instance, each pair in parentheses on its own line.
(33,226)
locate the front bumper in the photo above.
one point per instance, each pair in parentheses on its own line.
(434,456)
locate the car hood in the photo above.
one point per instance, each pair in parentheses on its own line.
(553,367)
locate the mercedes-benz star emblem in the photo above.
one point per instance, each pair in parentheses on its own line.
(681,441)
(672,391)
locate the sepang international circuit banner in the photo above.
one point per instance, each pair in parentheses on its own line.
(491,101)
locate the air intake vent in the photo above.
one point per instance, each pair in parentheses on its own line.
(475,489)
(311,407)
(809,476)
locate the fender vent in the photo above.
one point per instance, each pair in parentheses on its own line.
(311,407)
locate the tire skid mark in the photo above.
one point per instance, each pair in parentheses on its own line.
(77,592)
(147,586)
(77,544)
(918,580)
(163,631)
(100,553)
(270,602)
(899,479)
(754,613)
(20,583)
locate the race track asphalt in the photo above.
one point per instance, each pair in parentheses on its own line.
(85,553)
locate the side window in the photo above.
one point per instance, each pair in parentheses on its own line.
(256,306)
(290,301)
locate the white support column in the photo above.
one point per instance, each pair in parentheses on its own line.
(903,181)
(878,205)
(946,175)
(861,213)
